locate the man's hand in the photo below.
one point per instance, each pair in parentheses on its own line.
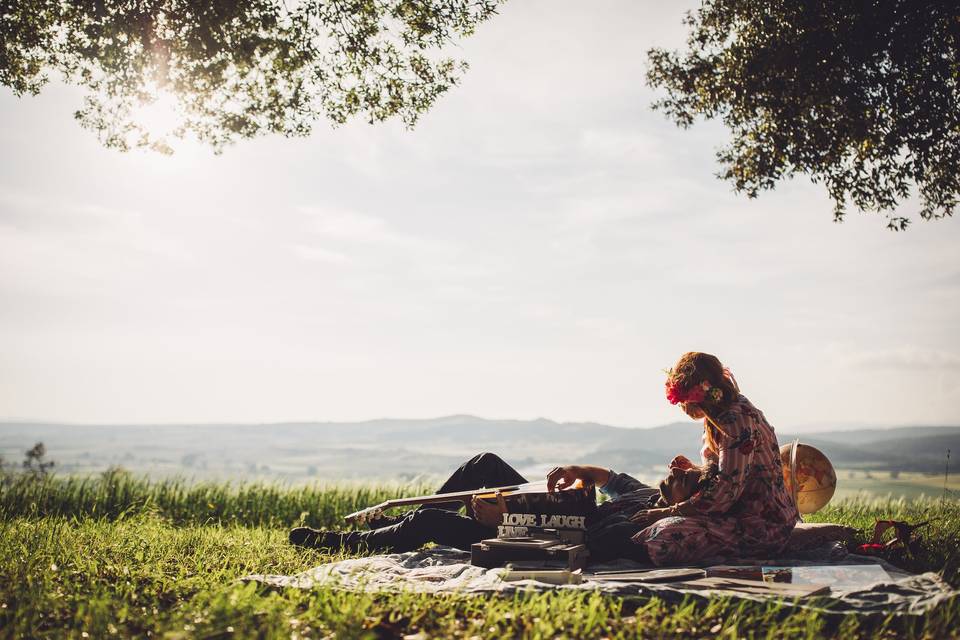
(647,517)
(489,514)
(561,478)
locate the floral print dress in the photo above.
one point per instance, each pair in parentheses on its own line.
(746,511)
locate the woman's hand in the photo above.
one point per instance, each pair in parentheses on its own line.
(561,478)
(647,517)
(489,514)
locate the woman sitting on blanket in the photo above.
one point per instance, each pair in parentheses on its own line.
(746,510)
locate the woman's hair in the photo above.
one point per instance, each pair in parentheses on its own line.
(708,473)
(695,368)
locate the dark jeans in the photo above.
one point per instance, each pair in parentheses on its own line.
(441,523)
(612,538)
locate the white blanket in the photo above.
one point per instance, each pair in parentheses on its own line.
(447,570)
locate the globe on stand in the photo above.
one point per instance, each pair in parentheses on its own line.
(809,476)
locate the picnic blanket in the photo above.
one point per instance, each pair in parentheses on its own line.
(448,570)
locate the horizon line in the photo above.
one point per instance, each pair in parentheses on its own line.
(818,427)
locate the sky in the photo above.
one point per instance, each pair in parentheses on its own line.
(542,244)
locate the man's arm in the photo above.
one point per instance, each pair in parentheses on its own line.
(621,483)
(565,477)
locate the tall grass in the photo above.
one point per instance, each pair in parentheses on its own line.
(118,495)
(125,556)
(141,576)
(940,539)
(115,496)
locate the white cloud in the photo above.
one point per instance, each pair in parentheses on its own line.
(353,228)
(37,212)
(316,254)
(906,358)
(349,225)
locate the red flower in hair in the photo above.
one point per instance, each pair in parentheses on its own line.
(673,392)
(694,394)
(677,394)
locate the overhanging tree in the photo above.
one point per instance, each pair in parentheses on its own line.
(237,69)
(860,95)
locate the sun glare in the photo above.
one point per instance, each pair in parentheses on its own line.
(157,120)
(160,117)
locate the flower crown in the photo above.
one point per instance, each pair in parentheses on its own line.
(696,393)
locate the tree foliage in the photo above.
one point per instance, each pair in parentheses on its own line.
(237,69)
(860,95)
(35,463)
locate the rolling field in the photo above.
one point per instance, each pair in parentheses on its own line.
(861,484)
(858,483)
(125,557)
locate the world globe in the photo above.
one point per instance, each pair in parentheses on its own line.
(809,476)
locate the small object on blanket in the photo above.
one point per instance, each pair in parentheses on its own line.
(547,576)
(839,576)
(740,572)
(535,513)
(496,552)
(783,589)
(525,542)
(568,535)
(901,545)
(842,577)
(649,576)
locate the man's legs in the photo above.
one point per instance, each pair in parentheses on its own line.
(438,523)
(614,539)
(482,470)
(417,528)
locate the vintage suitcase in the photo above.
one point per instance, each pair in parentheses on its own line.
(547,552)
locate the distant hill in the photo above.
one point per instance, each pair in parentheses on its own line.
(403,449)
(920,449)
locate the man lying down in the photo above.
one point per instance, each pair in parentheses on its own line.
(614,531)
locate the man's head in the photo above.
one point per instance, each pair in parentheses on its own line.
(684,480)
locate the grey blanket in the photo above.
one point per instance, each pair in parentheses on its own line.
(447,570)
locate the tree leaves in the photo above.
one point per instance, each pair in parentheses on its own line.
(237,69)
(860,96)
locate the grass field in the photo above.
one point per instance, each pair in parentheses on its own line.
(122,557)
(859,483)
